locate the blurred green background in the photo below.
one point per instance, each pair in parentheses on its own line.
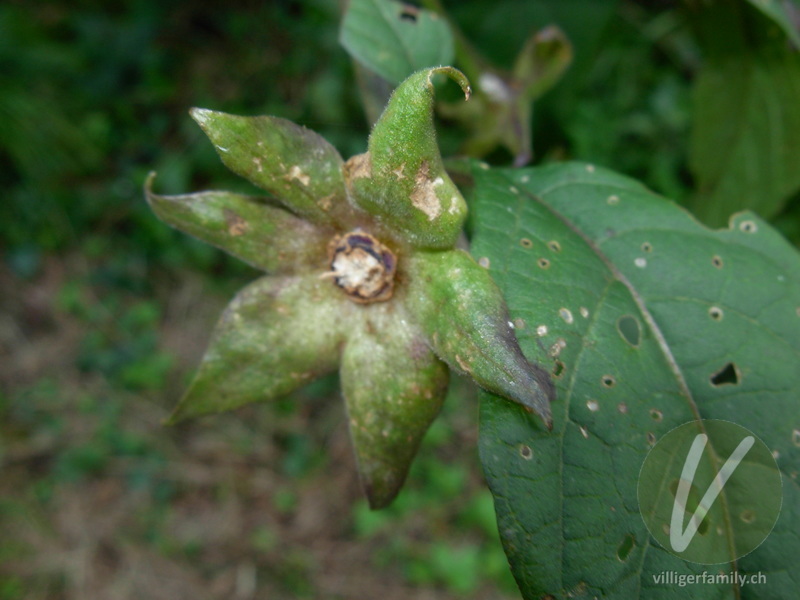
(104,311)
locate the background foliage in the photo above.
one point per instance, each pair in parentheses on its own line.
(105,310)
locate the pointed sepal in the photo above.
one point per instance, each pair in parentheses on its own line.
(266,237)
(394,387)
(277,334)
(299,167)
(401,179)
(462,311)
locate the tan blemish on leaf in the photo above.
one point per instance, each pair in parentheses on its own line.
(398,172)
(236,225)
(464,366)
(296,173)
(584,432)
(424,195)
(557,347)
(326,202)
(592,405)
(358,167)
(484,262)
(257,163)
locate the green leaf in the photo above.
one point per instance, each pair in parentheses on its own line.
(276,335)
(395,39)
(648,320)
(264,236)
(777,12)
(745,141)
(299,167)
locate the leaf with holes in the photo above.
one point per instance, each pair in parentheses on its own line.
(648,320)
(394,39)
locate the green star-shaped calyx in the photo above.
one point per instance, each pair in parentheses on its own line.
(362,276)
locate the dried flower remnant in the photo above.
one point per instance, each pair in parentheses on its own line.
(362,266)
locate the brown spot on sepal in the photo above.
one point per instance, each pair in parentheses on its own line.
(236,225)
(358,167)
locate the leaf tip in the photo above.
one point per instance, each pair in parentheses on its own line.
(148,186)
(538,395)
(378,499)
(455,75)
(201,115)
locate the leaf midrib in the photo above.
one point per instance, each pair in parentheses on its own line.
(656,331)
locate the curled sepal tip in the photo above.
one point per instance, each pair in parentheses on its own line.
(394,387)
(264,236)
(463,312)
(276,335)
(401,179)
